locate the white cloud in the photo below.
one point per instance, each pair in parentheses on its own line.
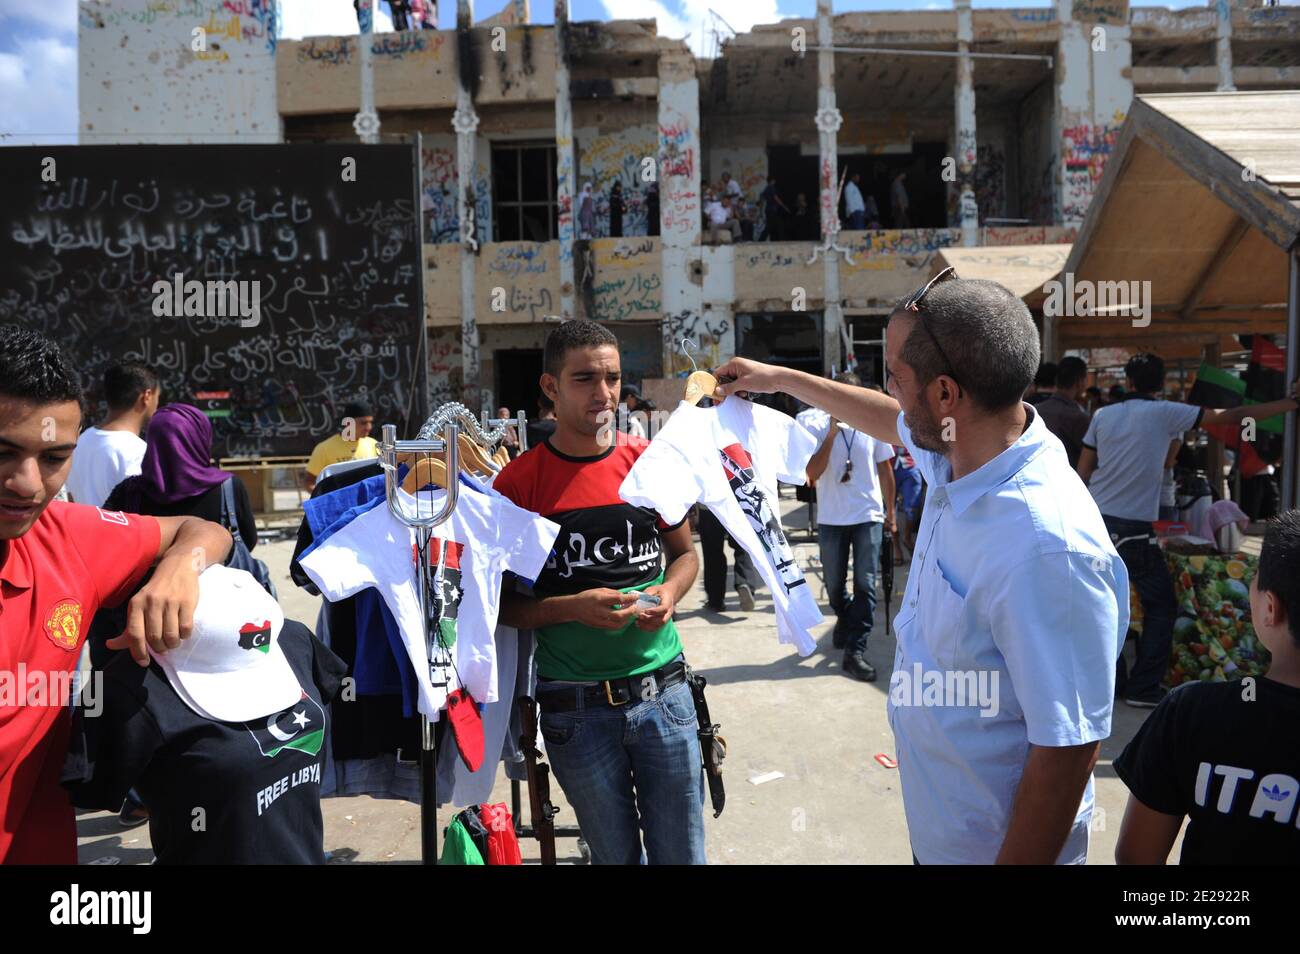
(59,15)
(38,84)
(300,18)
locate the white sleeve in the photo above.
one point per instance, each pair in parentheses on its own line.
(664,479)
(816,423)
(792,443)
(884,451)
(526,538)
(340,566)
(1181,417)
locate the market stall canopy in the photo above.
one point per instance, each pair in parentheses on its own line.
(1023,269)
(1201,198)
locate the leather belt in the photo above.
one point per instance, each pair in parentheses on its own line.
(612,693)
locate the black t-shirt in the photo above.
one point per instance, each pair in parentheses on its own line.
(1231,764)
(257,783)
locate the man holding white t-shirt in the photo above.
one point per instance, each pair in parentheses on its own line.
(1014,583)
(854,477)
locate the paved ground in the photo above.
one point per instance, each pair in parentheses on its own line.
(834,804)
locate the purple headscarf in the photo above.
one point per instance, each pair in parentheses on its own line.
(178,448)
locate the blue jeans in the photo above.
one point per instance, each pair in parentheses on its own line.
(857,221)
(1149,574)
(854,617)
(632,770)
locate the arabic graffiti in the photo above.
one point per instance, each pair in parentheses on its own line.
(338,270)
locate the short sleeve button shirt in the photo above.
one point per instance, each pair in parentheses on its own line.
(73,561)
(1015,609)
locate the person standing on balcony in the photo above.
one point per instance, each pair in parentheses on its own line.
(854,208)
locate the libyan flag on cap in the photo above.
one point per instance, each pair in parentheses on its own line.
(253,636)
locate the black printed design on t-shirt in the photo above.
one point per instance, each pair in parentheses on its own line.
(754,503)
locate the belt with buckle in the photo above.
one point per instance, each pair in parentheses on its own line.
(613,693)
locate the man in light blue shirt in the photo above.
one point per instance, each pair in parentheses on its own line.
(854,208)
(1016,602)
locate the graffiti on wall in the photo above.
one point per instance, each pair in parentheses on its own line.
(1084,151)
(713,333)
(885,250)
(438,201)
(990,181)
(446,365)
(628,285)
(1100,11)
(617,157)
(521,271)
(337,50)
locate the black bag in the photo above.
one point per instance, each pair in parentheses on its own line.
(240,558)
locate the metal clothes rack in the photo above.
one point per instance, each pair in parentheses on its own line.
(389,449)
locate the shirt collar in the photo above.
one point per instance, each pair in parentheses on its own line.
(994,473)
(17,570)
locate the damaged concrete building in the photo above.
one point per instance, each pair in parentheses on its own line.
(999,122)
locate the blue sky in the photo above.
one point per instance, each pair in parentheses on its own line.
(38,40)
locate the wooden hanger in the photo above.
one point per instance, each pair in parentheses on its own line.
(502,456)
(700,384)
(472,457)
(427,470)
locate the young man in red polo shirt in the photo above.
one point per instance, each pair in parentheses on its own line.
(59,563)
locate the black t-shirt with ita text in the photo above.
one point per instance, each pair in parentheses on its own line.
(217,792)
(604,541)
(1229,759)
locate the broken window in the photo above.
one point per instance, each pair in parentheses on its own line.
(523,192)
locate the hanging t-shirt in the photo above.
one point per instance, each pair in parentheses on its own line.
(604,542)
(254,786)
(1229,763)
(467,554)
(847,503)
(729,458)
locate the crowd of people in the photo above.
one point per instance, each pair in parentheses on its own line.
(1024,512)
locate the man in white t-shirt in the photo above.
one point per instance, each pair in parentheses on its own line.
(108,454)
(1123,463)
(854,477)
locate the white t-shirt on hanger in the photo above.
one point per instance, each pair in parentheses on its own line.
(468,553)
(729,458)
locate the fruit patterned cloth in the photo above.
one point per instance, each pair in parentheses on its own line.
(1214,640)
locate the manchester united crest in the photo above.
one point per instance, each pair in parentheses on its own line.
(63,624)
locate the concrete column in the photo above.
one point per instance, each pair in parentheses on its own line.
(680,214)
(1094,87)
(828,121)
(366,122)
(1223,45)
(964,98)
(521,11)
(465,122)
(566,186)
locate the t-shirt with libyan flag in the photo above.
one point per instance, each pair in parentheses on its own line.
(217,792)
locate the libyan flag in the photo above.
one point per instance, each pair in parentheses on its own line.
(1264,381)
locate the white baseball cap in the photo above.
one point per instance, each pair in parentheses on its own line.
(231,668)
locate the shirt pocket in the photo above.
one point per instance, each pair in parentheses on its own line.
(940,617)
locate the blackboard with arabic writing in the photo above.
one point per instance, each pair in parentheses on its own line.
(267,285)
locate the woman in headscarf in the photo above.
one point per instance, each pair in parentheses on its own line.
(586,213)
(176,476)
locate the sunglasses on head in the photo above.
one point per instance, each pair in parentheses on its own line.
(914,305)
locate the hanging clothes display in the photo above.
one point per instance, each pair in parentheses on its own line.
(729,458)
(485,536)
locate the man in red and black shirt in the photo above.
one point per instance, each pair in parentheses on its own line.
(59,563)
(617,715)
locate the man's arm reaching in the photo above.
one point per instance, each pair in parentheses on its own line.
(870,412)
